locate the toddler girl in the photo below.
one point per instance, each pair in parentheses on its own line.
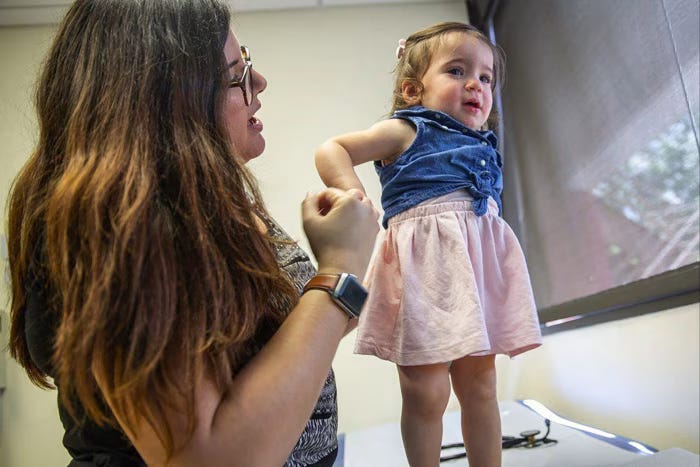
(449,287)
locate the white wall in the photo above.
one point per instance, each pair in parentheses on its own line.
(329,71)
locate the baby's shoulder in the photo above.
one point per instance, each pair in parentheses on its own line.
(394,128)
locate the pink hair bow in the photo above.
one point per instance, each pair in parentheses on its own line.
(400,49)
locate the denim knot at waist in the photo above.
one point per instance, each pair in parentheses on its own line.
(457,201)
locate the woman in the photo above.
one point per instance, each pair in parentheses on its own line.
(148,279)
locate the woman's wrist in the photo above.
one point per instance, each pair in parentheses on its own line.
(345,290)
(339,266)
(355,271)
(334,270)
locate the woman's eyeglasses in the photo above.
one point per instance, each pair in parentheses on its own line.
(246,80)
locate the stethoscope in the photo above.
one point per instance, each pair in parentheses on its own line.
(527,439)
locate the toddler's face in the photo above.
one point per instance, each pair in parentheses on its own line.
(458,80)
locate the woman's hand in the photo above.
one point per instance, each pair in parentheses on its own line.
(341,227)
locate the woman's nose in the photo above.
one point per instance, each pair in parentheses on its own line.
(259,81)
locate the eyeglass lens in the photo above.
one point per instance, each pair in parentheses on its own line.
(248,75)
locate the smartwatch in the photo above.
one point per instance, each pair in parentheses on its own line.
(346,291)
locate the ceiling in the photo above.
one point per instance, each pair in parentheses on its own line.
(35,12)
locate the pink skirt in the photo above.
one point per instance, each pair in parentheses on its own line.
(445,283)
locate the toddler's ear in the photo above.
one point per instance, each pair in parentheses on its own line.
(411,92)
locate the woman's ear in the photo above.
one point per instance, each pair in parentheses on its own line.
(411,92)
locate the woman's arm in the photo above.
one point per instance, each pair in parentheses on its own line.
(384,140)
(260,418)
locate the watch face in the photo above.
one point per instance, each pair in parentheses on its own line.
(351,293)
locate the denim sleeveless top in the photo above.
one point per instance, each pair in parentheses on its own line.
(445,156)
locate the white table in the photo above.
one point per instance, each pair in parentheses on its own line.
(577,446)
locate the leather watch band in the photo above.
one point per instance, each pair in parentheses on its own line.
(345,290)
(323,281)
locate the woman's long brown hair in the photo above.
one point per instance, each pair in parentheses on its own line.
(136,216)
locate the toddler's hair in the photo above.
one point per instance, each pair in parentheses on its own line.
(420,47)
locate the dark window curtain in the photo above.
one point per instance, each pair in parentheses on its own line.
(600,112)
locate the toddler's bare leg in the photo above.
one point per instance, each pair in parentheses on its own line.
(474,382)
(426,391)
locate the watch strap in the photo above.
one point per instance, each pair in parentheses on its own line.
(330,283)
(324,282)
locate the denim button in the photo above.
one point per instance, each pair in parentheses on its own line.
(444,127)
(482,162)
(484,143)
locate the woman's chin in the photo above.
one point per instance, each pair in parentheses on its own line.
(253,153)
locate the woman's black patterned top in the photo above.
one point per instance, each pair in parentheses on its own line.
(319,442)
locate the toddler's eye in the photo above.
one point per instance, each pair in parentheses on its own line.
(455,71)
(486,79)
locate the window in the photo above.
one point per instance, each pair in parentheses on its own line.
(600,122)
